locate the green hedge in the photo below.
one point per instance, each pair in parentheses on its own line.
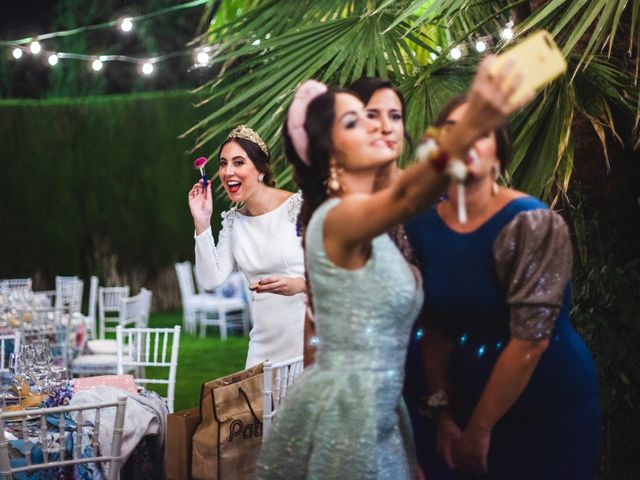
(95,185)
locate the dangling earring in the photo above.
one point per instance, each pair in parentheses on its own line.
(333,184)
(261,177)
(496,175)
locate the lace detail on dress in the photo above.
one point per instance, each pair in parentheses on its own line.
(295,202)
(229,216)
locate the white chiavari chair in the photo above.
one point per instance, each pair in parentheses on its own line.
(134,311)
(71,422)
(69,293)
(278,377)
(90,318)
(109,301)
(139,348)
(16,284)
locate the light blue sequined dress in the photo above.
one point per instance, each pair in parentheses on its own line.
(345,417)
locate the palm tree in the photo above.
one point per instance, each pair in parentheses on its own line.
(265,48)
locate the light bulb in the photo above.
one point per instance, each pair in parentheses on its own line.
(147,68)
(202,59)
(97,65)
(17,53)
(35,47)
(126,24)
(506,33)
(53,59)
(481,46)
(455,53)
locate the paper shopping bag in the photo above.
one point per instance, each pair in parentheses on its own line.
(180,429)
(227,442)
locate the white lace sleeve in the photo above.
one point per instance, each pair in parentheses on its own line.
(215,264)
(293,209)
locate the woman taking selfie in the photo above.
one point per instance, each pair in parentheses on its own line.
(345,417)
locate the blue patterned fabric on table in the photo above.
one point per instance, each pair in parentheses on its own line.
(18,451)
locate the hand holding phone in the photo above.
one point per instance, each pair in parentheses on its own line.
(537,58)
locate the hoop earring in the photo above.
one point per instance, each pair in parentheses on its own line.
(496,175)
(261,177)
(333,184)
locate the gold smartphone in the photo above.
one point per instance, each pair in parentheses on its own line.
(538,58)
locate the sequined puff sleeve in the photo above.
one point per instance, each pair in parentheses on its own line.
(533,258)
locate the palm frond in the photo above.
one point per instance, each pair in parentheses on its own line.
(586,26)
(266,48)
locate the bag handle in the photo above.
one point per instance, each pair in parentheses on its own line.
(246,398)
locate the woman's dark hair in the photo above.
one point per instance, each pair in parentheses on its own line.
(365,87)
(501,133)
(260,159)
(312,178)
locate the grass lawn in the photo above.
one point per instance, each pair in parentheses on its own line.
(200,359)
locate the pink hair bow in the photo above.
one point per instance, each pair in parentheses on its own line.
(298,114)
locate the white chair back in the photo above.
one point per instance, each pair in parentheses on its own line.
(16,284)
(278,377)
(8,344)
(90,318)
(135,310)
(69,293)
(185,280)
(99,453)
(138,348)
(109,302)
(47,324)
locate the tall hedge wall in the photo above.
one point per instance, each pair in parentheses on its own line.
(98,186)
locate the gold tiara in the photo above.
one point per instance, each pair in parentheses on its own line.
(242,131)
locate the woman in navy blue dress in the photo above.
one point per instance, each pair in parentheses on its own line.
(514,388)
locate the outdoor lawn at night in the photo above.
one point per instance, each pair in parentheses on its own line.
(264,239)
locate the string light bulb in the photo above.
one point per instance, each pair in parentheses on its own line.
(53,59)
(97,65)
(455,53)
(507,33)
(147,68)
(126,24)
(17,53)
(35,47)
(481,46)
(202,59)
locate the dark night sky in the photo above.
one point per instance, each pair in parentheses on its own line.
(32,78)
(23,18)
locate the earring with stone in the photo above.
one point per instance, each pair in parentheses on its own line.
(333,184)
(496,175)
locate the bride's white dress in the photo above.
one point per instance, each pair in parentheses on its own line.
(260,246)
